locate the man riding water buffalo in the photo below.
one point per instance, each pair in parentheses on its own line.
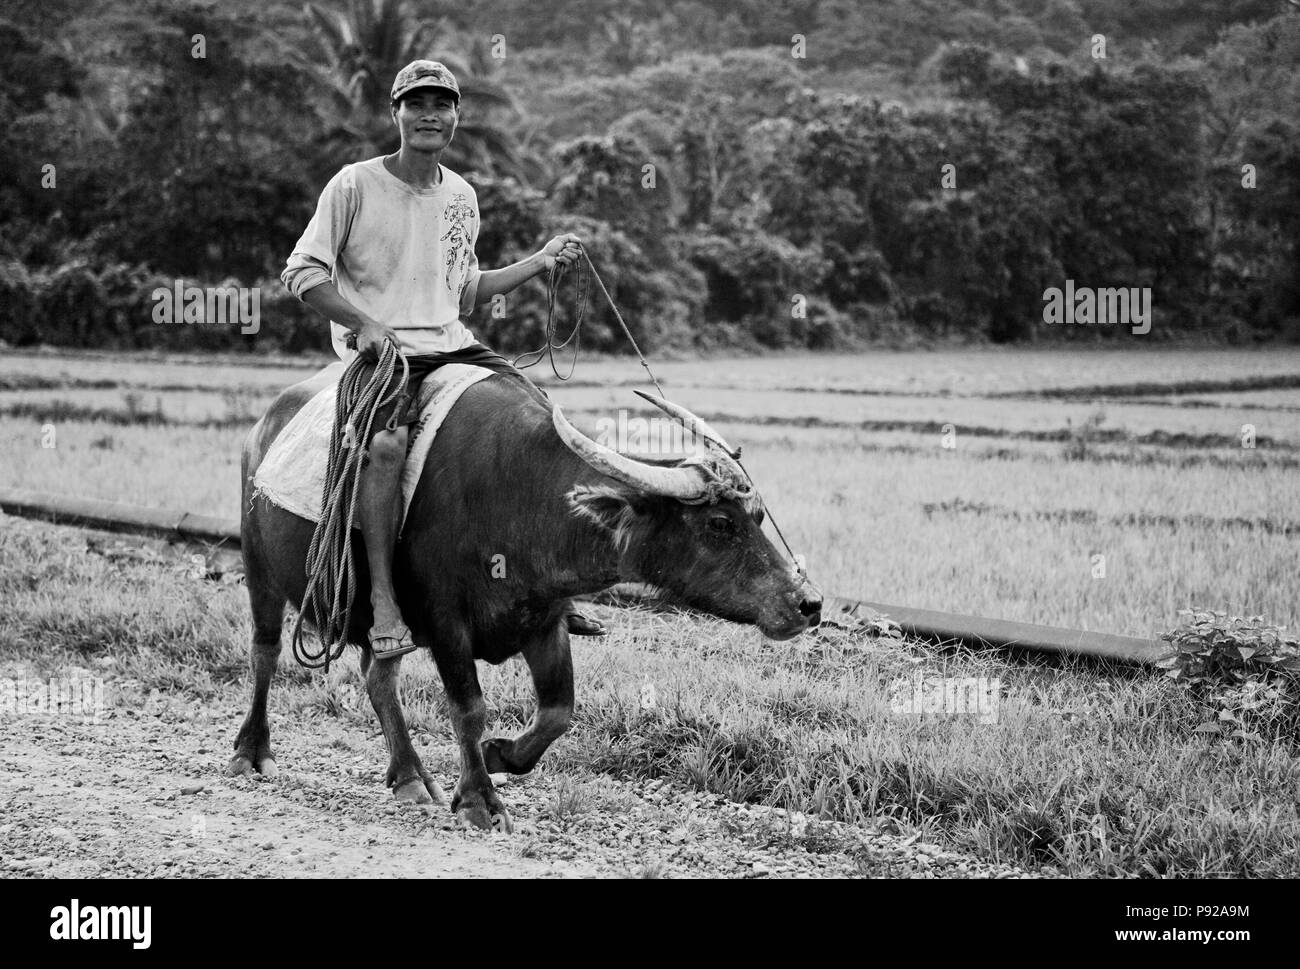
(389,256)
(507,478)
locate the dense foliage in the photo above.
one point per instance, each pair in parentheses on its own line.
(926,170)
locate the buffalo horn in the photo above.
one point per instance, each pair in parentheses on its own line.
(695,425)
(684,483)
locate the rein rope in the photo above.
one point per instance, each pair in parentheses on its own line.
(331,568)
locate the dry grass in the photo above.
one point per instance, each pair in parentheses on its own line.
(1095,774)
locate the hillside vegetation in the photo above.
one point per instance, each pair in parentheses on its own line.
(815,176)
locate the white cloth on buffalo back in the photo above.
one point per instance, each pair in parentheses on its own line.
(292,475)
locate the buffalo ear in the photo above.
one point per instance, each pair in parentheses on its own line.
(610,507)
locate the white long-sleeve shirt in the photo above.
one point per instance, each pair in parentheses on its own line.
(402,255)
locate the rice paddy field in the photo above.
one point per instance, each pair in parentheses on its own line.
(1101,490)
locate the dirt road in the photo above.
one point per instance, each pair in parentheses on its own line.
(141,791)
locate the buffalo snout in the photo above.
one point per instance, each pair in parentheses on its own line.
(810,604)
(800,611)
(811,609)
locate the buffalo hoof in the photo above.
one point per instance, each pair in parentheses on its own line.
(478,817)
(419,791)
(501,822)
(241,765)
(477,812)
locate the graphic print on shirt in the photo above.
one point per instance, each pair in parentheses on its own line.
(458,218)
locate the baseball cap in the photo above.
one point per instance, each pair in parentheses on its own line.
(424,74)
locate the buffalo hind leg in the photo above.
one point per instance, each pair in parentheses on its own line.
(476,801)
(551,664)
(253,743)
(411,783)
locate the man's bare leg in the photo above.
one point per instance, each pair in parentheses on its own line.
(378,508)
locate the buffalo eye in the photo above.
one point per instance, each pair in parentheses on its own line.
(721,524)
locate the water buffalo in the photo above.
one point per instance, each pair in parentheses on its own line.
(516,512)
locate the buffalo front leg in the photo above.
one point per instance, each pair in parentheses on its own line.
(411,783)
(551,664)
(475,801)
(253,743)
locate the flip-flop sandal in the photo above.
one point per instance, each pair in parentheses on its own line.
(580,625)
(398,633)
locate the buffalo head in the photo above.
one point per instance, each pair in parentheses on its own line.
(693,528)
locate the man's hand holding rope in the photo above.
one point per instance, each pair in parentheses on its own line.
(563,249)
(369,340)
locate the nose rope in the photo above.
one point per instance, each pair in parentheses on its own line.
(553,287)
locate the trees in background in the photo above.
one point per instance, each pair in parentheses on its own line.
(1253,138)
(353,54)
(729,196)
(32,74)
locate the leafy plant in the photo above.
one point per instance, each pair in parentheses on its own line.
(1213,647)
(1246,671)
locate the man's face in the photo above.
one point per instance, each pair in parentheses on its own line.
(427,119)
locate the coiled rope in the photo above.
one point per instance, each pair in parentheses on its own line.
(331,569)
(548,349)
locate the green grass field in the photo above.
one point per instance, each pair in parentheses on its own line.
(1096,775)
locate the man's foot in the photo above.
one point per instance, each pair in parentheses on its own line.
(580,625)
(394,640)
